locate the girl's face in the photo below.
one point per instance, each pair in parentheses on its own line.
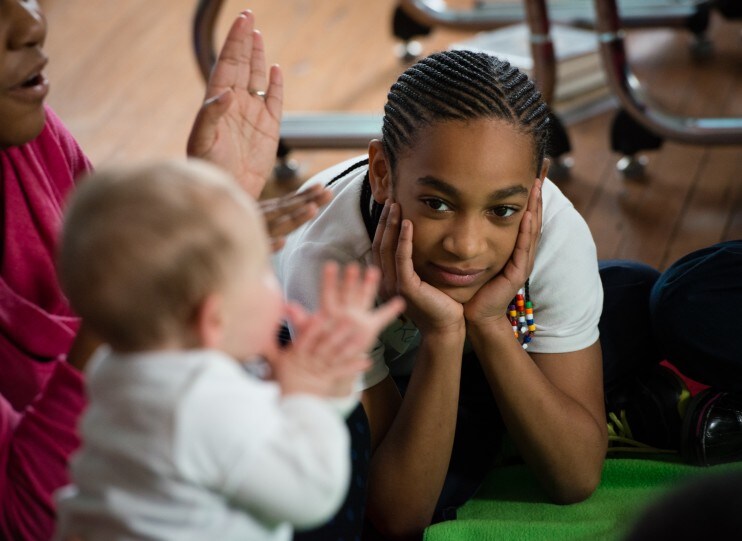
(464,186)
(23,85)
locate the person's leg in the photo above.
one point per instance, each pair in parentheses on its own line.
(625,329)
(696,309)
(642,398)
(347,524)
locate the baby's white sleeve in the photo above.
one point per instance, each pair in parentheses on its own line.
(281,459)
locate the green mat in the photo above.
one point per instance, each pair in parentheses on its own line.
(512,506)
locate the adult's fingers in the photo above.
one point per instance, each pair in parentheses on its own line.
(205,126)
(232,66)
(258,78)
(274,93)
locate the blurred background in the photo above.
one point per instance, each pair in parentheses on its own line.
(125,81)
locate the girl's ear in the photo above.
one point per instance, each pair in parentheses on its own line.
(209,323)
(544,169)
(379,172)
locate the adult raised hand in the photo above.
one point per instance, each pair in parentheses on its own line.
(238,124)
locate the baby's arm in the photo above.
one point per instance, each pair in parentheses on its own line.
(329,349)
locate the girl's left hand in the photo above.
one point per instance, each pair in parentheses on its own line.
(490,303)
(238,125)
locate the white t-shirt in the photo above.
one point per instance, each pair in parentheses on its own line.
(565,286)
(188,445)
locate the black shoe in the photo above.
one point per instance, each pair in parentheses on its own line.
(645,412)
(712,428)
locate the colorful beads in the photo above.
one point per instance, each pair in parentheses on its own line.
(520,313)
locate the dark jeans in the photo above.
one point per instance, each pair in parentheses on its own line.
(696,309)
(690,315)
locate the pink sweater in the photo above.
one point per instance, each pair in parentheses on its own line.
(41,396)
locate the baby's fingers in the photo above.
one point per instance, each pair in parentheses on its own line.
(329,291)
(385,314)
(359,291)
(348,292)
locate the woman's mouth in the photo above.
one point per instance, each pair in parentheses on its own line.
(31,90)
(455,276)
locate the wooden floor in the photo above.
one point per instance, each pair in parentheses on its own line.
(124,80)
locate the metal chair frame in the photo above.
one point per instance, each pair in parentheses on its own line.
(354,130)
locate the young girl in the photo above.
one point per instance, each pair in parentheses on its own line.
(454,207)
(41,394)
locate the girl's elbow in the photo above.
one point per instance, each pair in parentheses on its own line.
(400,525)
(577,488)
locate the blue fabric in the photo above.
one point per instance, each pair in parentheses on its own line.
(625,326)
(696,312)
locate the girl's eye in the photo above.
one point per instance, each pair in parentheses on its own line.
(504,211)
(436,205)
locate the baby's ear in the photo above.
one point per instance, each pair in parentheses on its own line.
(209,323)
(379,172)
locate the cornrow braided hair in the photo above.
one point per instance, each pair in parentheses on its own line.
(462,85)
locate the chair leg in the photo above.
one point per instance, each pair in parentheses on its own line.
(406,29)
(629,138)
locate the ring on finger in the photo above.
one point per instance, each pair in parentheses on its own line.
(258,93)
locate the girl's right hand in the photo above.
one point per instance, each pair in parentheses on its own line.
(431,310)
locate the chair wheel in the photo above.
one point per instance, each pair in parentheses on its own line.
(286,170)
(408,51)
(632,167)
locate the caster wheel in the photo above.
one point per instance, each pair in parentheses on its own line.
(408,51)
(286,170)
(632,167)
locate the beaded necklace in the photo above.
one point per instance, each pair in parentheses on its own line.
(520,313)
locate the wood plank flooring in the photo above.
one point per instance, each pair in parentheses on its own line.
(125,81)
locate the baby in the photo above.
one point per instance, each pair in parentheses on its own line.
(169,265)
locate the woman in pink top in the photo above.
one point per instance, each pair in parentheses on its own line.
(41,389)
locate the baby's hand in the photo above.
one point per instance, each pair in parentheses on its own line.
(329,350)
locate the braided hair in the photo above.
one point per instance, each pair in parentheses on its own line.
(462,85)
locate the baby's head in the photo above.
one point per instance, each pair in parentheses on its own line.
(169,256)
(23,86)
